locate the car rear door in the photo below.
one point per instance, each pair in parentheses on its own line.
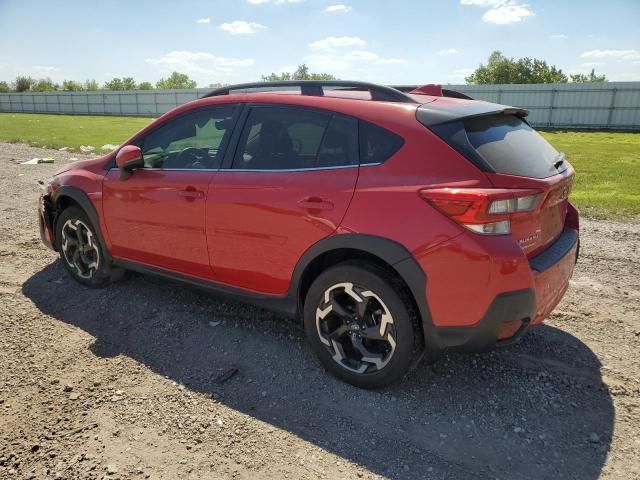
(157,215)
(287,186)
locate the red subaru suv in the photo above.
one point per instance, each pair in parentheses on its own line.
(395,224)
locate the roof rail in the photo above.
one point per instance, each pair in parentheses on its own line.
(379,93)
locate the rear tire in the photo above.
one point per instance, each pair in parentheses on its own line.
(360,326)
(81,252)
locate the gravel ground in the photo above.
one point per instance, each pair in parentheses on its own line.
(125,382)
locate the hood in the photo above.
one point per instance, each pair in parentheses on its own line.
(92,164)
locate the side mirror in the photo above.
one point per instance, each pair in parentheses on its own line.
(128,159)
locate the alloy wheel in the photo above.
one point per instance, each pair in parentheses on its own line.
(79,248)
(356,327)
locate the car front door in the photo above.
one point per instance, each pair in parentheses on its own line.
(287,186)
(157,215)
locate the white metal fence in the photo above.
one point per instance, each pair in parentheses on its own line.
(612,105)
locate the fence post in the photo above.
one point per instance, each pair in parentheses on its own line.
(499,100)
(612,107)
(552,105)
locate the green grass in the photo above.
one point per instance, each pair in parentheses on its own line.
(57,131)
(608,164)
(607,167)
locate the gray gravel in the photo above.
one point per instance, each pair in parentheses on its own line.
(138,380)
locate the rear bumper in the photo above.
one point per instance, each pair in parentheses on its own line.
(552,270)
(510,314)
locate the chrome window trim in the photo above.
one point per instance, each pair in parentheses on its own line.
(174,169)
(255,170)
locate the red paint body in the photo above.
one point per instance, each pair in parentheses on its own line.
(250,229)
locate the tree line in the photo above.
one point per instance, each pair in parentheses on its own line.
(498,70)
(29,84)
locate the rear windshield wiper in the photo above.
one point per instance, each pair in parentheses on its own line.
(559,163)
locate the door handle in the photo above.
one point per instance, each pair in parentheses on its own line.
(315,203)
(190,193)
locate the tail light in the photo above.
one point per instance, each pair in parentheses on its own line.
(487,211)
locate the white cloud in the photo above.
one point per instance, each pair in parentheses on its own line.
(240,27)
(501,12)
(448,51)
(592,64)
(45,69)
(560,36)
(506,13)
(616,54)
(199,62)
(204,20)
(336,42)
(338,8)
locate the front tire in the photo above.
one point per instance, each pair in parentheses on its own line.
(81,252)
(360,326)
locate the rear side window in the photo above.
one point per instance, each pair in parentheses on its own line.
(340,144)
(284,138)
(377,144)
(503,144)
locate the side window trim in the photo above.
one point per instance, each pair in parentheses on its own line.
(234,139)
(241,122)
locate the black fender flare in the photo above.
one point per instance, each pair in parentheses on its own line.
(391,252)
(80,197)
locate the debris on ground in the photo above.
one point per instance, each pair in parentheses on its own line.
(36,161)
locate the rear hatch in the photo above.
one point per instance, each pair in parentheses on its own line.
(531,178)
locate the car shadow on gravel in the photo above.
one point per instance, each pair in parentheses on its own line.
(535,410)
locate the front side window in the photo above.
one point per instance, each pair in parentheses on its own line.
(195,140)
(283,138)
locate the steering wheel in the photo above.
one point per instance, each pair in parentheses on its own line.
(192,157)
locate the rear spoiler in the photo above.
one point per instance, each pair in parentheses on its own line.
(433,113)
(432,89)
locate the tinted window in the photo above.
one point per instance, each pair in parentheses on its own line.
(509,145)
(377,144)
(278,138)
(192,141)
(340,144)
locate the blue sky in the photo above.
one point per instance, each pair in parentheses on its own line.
(402,41)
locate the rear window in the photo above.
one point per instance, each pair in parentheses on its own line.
(511,146)
(502,144)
